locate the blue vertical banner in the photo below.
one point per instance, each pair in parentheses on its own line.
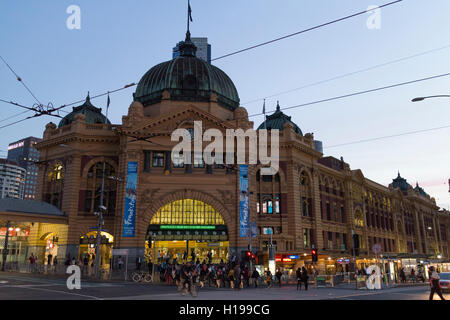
(244,216)
(129,215)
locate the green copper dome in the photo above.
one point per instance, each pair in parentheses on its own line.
(400,183)
(277,121)
(187,78)
(93,115)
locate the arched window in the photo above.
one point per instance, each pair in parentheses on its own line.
(92,193)
(187,212)
(53,189)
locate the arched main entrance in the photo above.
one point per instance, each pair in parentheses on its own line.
(187,229)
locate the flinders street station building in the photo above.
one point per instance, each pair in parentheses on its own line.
(156,206)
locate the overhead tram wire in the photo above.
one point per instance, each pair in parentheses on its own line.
(358,93)
(348,74)
(305,30)
(13,116)
(21,81)
(291,107)
(390,136)
(59,109)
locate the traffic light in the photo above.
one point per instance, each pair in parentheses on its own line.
(314,255)
(248,255)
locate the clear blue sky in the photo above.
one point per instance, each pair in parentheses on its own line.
(120,40)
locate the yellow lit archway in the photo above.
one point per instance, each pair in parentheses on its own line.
(187,229)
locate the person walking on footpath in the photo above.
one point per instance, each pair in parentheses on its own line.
(413,275)
(434,283)
(55,263)
(278,274)
(269,279)
(298,275)
(305,277)
(255,276)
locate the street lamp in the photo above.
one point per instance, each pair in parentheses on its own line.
(423,98)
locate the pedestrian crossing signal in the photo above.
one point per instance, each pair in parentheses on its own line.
(314,255)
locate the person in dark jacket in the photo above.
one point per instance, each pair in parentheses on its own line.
(278,274)
(305,278)
(255,276)
(298,275)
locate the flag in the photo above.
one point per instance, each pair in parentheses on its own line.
(189,11)
(107,104)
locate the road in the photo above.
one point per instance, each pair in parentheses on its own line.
(27,287)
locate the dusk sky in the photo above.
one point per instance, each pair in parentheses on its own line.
(120,40)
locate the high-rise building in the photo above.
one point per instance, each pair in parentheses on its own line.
(25,154)
(203,49)
(12,179)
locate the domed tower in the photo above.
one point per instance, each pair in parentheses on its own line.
(277,121)
(93,115)
(186,78)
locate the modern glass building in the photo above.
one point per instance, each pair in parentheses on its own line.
(12,180)
(24,153)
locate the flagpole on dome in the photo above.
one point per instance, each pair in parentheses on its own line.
(107,107)
(264,112)
(189,19)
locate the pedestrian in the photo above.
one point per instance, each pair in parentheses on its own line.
(85,264)
(237,276)
(138,263)
(305,278)
(298,275)
(203,274)
(49,259)
(209,255)
(278,274)
(120,262)
(218,276)
(55,263)
(434,283)
(269,279)
(255,276)
(231,277)
(413,275)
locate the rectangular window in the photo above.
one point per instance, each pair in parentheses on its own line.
(277,203)
(305,238)
(178,160)
(158,159)
(342,214)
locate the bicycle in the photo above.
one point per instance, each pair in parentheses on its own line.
(138,276)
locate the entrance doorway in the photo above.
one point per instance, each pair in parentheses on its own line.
(187,230)
(87,248)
